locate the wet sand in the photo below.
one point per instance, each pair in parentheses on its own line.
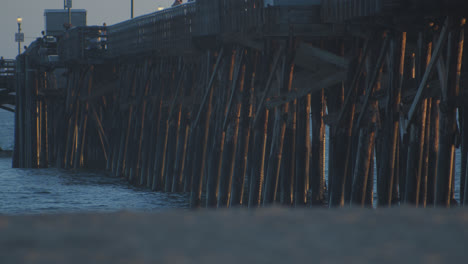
(273,235)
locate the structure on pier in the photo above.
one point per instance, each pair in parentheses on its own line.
(230,100)
(7,84)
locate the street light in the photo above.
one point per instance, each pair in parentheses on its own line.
(19,37)
(68,4)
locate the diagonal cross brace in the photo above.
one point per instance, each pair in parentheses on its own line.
(435,57)
(208,88)
(373,80)
(268,85)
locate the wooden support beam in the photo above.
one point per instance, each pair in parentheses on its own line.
(317,144)
(364,155)
(425,155)
(102,135)
(369,199)
(442,74)
(233,130)
(201,146)
(244,141)
(172,142)
(177,93)
(257,173)
(302,154)
(274,159)
(351,91)
(189,158)
(216,141)
(238,66)
(388,155)
(448,115)
(181,151)
(142,120)
(367,133)
(161,136)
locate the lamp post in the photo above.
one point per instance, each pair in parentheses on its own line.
(19,37)
(131,9)
(68,4)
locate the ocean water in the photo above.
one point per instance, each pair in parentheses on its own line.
(40,191)
(7,128)
(37,191)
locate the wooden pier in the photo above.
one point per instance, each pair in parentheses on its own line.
(231,101)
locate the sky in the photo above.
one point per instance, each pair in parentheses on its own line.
(32,12)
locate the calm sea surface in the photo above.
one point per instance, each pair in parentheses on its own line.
(7,128)
(37,191)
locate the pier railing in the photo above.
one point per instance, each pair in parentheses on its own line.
(171,31)
(7,74)
(241,15)
(207,12)
(7,68)
(168,31)
(254,17)
(343,10)
(297,15)
(228,16)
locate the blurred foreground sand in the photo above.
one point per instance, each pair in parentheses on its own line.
(272,235)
